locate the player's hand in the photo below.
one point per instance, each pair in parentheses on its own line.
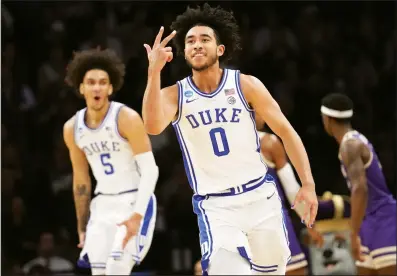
(307,195)
(132,226)
(159,54)
(316,237)
(356,247)
(81,239)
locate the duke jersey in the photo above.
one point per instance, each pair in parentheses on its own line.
(273,172)
(110,156)
(217,136)
(378,192)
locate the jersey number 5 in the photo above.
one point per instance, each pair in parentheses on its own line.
(105,157)
(219,142)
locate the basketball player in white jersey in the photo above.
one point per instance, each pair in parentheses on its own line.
(111,139)
(212,112)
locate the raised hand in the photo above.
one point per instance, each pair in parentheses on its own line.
(159,54)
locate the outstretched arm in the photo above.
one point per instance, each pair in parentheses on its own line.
(262,102)
(81,177)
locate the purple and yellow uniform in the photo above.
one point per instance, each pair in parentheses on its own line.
(378,230)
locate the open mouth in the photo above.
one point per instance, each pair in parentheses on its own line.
(97,98)
(330,264)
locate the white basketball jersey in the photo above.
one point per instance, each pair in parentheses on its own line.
(110,156)
(217,135)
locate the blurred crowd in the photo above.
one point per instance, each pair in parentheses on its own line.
(301,51)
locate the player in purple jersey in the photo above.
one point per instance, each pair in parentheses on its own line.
(373,208)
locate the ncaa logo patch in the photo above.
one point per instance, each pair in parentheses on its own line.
(188,94)
(231,100)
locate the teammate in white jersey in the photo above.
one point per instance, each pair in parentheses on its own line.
(212,112)
(111,139)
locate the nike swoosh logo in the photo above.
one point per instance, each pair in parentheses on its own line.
(269,197)
(192,100)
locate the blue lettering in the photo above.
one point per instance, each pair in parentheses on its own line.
(235,115)
(101,147)
(87,151)
(193,123)
(208,116)
(116,146)
(219,114)
(95,147)
(104,146)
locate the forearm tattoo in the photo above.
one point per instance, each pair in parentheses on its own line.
(82,198)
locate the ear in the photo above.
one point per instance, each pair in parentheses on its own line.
(110,90)
(220,50)
(81,89)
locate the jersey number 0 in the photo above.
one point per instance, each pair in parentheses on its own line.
(219,141)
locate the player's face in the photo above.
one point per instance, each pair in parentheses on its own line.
(96,89)
(201,49)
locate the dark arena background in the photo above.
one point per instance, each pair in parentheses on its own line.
(301,51)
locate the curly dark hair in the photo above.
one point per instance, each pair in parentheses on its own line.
(106,60)
(221,21)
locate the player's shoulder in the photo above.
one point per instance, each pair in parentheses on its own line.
(126,113)
(68,130)
(351,148)
(249,80)
(353,140)
(129,121)
(251,86)
(171,92)
(69,124)
(170,89)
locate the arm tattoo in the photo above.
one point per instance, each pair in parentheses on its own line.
(81,190)
(82,198)
(354,164)
(357,177)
